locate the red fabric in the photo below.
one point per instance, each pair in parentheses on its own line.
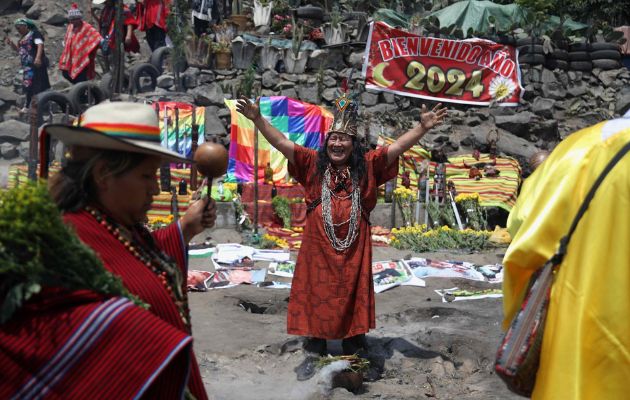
(152,13)
(108,19)
(38,359)
(332,296)
(139,279)
(79,50)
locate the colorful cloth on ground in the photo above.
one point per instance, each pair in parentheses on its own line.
(332,296)
(138,278)
(152,13)
(67,344)
(500,191)
(305,124)
(34,79)
(107,25)
(586,347)
(176,125)
(79,50)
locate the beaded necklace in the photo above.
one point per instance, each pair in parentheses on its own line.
(355,210)
(140,243)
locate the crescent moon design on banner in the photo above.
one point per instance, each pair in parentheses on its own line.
(377,75)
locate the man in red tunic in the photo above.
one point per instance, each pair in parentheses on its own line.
(151,16)
(332,295)
(79,48)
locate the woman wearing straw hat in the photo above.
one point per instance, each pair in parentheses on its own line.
(30,47)
(332,295)
(105,190)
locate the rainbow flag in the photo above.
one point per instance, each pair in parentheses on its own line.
(177,136)
(305,124)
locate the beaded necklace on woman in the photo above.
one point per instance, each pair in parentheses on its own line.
(140,243)
(355,210)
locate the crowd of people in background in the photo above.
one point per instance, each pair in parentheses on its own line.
(86,41)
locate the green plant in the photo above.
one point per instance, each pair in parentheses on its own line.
(298,37)
(246,85)
(335,17)
(282,207)
(37,249)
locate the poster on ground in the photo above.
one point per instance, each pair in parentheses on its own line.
(470,71)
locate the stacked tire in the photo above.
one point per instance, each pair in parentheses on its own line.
(530,51)
(557,59)
(580,57)
(605,55)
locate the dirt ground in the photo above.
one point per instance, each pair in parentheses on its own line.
(429,349)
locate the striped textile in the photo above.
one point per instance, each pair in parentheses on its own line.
(66,344)
(127,131)
(76,54)
(305,124)
(139,279)
(500,191)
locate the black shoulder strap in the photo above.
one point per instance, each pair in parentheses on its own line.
(564,242)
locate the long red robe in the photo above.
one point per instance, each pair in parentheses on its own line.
(332,294)
(139,279)
(77,345)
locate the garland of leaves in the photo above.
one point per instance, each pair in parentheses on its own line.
(282,207)
(37,249)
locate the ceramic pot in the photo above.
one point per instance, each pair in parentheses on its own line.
(262,14)
(223,60)
(293,64)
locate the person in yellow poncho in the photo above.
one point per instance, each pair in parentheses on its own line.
(586,344)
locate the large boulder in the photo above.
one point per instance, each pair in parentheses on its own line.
(8,6)
(210,94)
(14,131)
(213,126)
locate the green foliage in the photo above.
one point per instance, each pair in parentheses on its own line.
(282,207)
(37,249)
(246,85)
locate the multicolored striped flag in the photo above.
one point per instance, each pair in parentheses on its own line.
(305,124)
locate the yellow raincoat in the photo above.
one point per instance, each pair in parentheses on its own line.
(586,344)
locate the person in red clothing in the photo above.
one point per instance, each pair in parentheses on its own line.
(105,190)
(151,16)
(106,21)
(79,48)
(332,295)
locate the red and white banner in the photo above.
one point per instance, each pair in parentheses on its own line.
(471,71)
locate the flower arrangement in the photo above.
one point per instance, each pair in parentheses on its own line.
(475,216)
(268,241)
(159,221)
(231,186)
(282,207)
(417,238)
(405,199)
(281,24)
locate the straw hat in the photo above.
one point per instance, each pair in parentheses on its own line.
(120,126)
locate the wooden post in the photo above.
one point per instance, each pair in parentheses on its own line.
(33,140)
(194,133)
(119,56)
(255,180)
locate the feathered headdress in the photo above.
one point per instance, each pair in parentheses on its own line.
(346,113)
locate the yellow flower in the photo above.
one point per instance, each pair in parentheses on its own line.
(466,196)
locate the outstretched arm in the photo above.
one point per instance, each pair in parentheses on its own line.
(428,119)
(273,135)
